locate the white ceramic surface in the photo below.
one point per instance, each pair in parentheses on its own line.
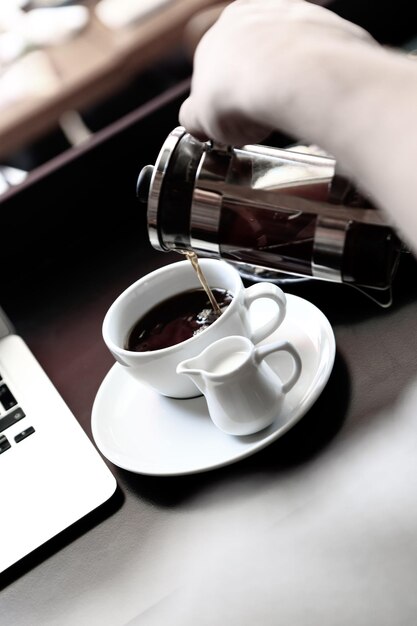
(139,430)
(243,393)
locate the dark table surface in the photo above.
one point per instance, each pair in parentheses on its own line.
(318,528)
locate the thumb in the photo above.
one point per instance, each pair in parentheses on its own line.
(188,119)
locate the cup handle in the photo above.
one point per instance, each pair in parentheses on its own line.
(263,351)
(272,292)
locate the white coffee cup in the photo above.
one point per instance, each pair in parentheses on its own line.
(157,368)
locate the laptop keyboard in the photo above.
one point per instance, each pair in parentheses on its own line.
(10,413)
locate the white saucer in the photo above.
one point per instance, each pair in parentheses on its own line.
(139,430)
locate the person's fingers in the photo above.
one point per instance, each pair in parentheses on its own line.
(233,99)
(231,128)
(188,119)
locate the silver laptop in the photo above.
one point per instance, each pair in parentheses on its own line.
(51,475)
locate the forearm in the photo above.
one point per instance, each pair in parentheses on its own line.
(363,110)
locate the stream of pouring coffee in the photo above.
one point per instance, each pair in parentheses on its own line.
(193,258)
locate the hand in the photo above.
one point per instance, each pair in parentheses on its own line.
(257,69)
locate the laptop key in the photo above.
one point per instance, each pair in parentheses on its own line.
(6,397)
(25,433)
(11,418)
(4,444)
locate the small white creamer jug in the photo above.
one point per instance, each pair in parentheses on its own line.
(243,393)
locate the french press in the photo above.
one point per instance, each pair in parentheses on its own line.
(269,211)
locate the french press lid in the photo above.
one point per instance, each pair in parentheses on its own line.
(168,185)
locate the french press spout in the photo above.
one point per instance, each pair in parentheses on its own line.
(269,211)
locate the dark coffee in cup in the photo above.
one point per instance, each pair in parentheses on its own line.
(176,319)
